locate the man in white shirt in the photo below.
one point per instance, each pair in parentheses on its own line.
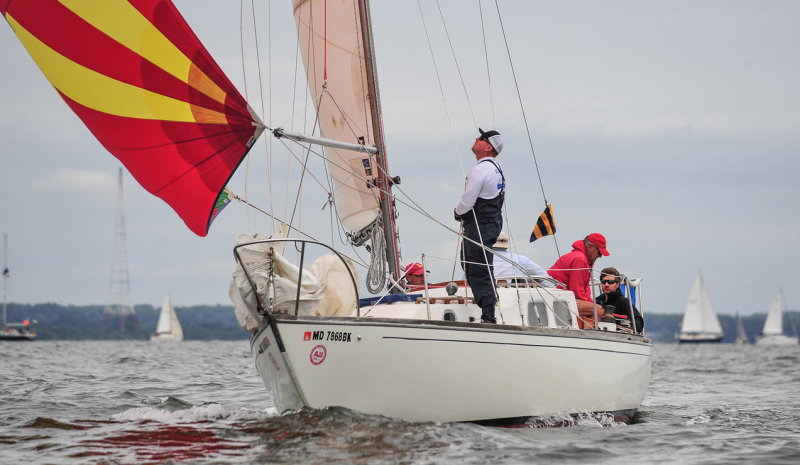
(480,211)
(503,269)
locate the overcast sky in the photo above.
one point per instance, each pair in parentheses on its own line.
(673,128)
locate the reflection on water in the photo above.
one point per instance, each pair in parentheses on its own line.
(202,402)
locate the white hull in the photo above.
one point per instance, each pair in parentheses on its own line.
(776,340)
(699,338)
(166,337)
(448,371)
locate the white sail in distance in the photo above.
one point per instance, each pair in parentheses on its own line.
(344,113)
(774,323)
(700,316)
(168,320)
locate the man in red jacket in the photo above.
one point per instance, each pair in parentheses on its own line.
(573,269)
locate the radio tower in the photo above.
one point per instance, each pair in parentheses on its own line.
(119,289)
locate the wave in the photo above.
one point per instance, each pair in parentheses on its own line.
(195,413)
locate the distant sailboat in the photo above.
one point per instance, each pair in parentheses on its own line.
(700,322)
(12,331)
(772,334)
(741,334)
(169,328)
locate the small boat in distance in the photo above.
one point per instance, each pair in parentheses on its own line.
(700,321)
(772,334)
(169,328)
(741,334)
(12,331)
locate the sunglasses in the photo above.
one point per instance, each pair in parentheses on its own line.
(608,281)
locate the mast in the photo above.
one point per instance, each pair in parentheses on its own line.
(6,275)
(384,183)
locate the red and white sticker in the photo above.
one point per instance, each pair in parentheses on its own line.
(274,362)
(318,354)
(307,336)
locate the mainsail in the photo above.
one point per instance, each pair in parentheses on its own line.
(168,320)
(699,316)
(741,334)
(144,85)
(774,323)
(337,70)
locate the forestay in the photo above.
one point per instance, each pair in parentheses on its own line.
(339,66)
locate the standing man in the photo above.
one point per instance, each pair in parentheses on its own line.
(480,211)
(574,270)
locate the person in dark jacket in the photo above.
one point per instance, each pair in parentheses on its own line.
(609,279)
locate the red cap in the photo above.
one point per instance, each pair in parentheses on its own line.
(414,269)
(600,241)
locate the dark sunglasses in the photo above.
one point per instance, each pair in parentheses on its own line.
(608,281)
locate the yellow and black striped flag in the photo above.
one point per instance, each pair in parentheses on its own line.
(545,226)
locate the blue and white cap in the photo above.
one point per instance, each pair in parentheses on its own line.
(494,138)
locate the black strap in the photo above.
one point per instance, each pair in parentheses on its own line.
(491,160)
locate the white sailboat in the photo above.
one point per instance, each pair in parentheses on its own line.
(419,357)
(169,328)
(772,334)
(12,331)
(741,334)
(700,321)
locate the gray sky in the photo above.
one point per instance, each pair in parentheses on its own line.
(673,128)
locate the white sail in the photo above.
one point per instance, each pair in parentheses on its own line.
(344,113)
(177,331)
(168,325)
(165,318)
(741,334)
(774,323)
(699,316)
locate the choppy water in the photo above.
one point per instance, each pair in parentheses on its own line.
(202,402)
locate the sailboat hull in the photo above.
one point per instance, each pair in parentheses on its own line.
(17,337)
(776,340)
(166,337)
(449,371)
(700,338)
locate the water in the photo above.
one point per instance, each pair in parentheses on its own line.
(203,402)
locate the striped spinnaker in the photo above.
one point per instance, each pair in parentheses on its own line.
(136,74)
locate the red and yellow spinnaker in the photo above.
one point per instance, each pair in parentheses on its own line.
(148,90)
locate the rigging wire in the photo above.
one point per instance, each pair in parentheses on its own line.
(519,96)
(241,39)
(261,89)
(244,77)
(488,72)
(269,84)
(453,51)
(441,89)
(524,117)
(357,261)
(294,99)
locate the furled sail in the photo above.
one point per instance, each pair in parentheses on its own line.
(344,112)
(148,90)
(774,322)
(700,316)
